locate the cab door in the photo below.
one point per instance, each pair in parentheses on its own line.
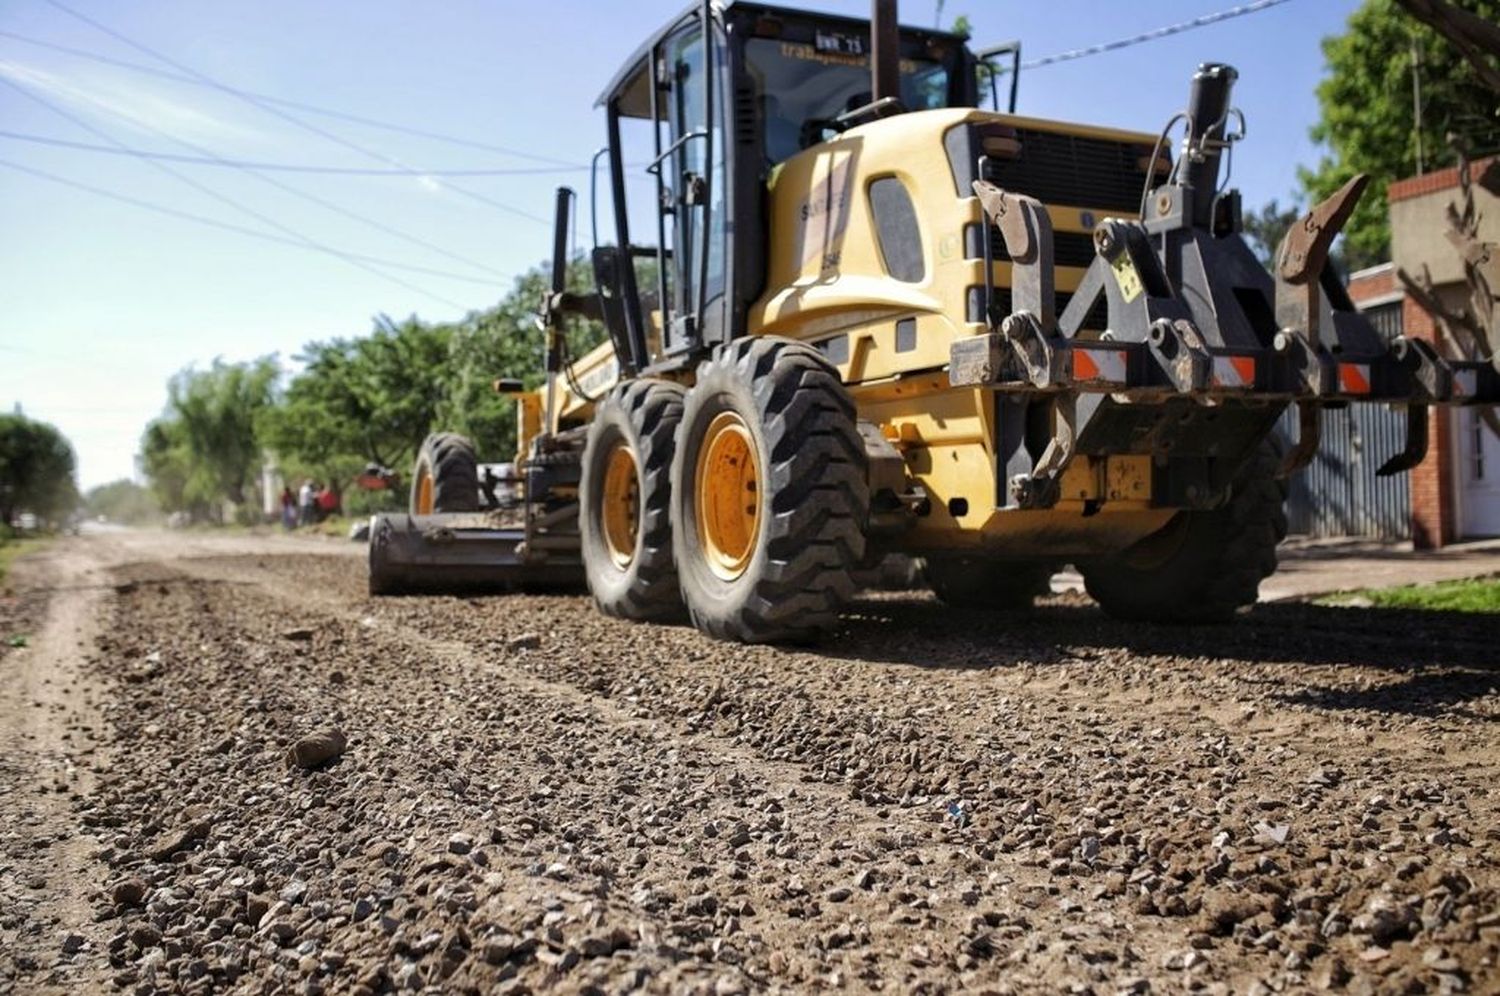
(692,183)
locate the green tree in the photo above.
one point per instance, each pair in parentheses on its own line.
(123,501)
(1368,122)
(205,448)
(1266,226)
(36,470)
(168,467)
(504,341)
(362,400)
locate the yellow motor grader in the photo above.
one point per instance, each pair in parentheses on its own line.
(852,314)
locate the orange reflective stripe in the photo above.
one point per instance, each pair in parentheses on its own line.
(1084,367)
(1107,365)
(1354,378)
(1234,371)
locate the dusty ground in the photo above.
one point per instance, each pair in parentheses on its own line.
(534,797)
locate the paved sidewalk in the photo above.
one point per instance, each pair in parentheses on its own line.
(1318,567)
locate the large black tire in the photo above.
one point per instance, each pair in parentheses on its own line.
(448,460)
(630,571)
(1204,566)
(979,582)
(809,495)
(382,580)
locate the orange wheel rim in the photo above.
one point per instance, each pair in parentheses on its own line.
(621,505)
(424,493)
(728,496)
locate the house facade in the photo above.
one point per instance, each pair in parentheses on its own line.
(1455,492)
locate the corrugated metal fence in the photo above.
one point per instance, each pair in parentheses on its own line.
(1338,493)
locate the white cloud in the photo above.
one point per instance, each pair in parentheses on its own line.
(126,100)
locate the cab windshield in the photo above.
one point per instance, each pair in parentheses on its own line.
(799,85)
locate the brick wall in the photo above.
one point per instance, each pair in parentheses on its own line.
(1427,183)
(1366,286)
(1433,518)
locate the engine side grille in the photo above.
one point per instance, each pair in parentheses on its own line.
(1074,170)
(1068,248)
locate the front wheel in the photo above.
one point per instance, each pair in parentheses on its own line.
(1203,566)
(769,493)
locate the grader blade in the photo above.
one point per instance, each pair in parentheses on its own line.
(459,552)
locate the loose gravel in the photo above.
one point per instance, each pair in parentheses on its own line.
(303,789)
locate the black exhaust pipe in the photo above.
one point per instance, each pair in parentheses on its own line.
(560,227)
(1208,112)
(885,51)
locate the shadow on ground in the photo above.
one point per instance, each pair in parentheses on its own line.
(1428,662)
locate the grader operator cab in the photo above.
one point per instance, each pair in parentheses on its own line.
(851,314)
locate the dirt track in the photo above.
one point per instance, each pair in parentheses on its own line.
(537,797)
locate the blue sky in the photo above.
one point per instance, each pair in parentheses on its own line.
(103,301)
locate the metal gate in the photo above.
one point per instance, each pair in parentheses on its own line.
(1338,493)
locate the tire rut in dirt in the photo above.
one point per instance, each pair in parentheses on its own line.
(483,824)
(1147,773)
(50,751)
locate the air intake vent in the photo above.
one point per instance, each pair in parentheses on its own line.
(746,123)
(1073,170)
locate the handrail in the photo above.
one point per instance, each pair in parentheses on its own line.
(594,194)
(654,167)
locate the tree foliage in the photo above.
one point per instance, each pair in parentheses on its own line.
(123,501)
(504,341)
(361,400)
(204,449)
(1368,123)
(36,470)
(1264,228)
(354,402)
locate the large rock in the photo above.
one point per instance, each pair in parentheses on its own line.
(317,748)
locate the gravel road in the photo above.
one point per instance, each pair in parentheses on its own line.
(531,797)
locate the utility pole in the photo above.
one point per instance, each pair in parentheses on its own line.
(1416,98)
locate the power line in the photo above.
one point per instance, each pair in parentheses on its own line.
(294,104)
(230,226)
(119,147)
(290,118)
(1153,35)
(280,167)
(365,263)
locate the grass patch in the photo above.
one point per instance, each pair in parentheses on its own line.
(1477,595)
(10,549)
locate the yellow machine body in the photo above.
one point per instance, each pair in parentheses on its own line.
(828,284)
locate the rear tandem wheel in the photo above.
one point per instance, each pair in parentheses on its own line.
(624,501)
(446,476)
(979,582)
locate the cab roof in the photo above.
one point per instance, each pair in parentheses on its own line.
(625,78)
